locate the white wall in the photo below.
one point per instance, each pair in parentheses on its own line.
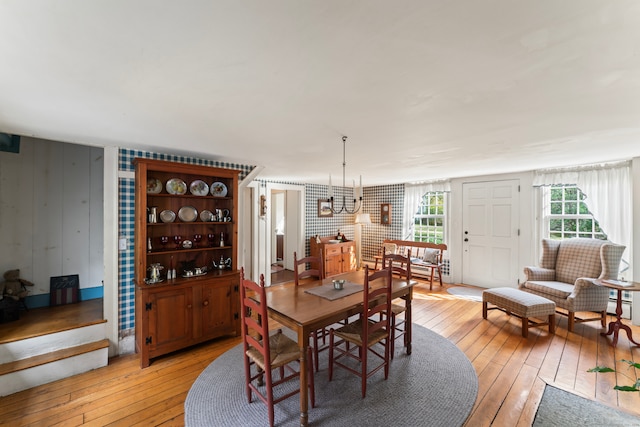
(51,212)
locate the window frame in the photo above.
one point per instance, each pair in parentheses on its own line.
(580,215)
(434,233)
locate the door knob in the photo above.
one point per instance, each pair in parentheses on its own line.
(466,240)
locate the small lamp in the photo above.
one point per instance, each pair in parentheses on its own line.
(361,219)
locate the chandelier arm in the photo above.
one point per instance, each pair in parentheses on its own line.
(356,205)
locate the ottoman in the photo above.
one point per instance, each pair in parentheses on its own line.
(521,304)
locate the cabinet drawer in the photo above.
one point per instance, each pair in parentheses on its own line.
(331,250)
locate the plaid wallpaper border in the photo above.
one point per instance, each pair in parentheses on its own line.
(126,219)
(126,156)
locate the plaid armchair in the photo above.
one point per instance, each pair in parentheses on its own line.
(567,271)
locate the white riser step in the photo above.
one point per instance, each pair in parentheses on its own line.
(29,347)
(27,373)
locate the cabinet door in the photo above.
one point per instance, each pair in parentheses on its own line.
(333,265)
(170,320)
(217,309)
(348,258)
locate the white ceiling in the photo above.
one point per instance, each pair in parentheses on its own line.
(424,89)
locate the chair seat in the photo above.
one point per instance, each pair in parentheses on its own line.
(352,332)
(556,289)
(398,308)
(283,350)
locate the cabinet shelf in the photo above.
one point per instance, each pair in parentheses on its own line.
(187,196)
(178,251)
(214,273)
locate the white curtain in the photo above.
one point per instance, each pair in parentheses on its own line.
(608,191)
(413,194)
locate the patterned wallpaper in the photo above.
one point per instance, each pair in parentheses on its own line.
(373,234)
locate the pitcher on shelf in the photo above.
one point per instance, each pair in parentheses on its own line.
(222,264)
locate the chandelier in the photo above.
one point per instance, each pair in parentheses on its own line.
(357,191)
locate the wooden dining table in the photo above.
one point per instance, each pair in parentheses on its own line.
(304,313)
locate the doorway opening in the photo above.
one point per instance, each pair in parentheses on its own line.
(285,229)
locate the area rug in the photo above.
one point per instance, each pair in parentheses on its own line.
(473,294)
(436,385)
(559,408)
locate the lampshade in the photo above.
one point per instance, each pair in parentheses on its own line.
(363,218)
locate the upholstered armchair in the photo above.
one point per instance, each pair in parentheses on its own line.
(567,271)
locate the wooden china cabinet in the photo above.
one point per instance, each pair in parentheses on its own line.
(186,221)
(337,257)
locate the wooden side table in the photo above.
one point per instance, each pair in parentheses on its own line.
(614,327)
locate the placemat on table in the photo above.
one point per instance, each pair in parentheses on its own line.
(328,292)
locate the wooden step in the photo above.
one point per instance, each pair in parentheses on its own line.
(48,320)
(19,365)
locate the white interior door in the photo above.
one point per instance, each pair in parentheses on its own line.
(490,233)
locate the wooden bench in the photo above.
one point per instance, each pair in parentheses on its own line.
(416,252)
(521,304)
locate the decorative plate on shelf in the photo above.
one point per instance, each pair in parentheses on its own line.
(187,214)
(206,216)
(176,186)
(187,244)
(218,189)
(154,186)
(167,216)
(199,188)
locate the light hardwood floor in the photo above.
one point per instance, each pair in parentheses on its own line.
(512,372)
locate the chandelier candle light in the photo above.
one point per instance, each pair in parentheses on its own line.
(357,191)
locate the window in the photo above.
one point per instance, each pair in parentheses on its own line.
(568,215)
(429,220)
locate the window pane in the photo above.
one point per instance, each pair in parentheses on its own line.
(571,193)
(583,209)
(555,225)
(429,218)
(585,225)
(570,208)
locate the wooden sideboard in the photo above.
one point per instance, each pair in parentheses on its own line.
(337,257)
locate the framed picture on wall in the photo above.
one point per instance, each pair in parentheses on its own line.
(385,213)
(324,208)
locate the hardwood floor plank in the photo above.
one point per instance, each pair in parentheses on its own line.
(566,375)
(517,397)
(163,412)
(588,352)
(512,372)
(531,406)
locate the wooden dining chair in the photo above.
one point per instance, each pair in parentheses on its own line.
(262,356)
(400,265)
(372,328)
(319,337)
(316,271)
